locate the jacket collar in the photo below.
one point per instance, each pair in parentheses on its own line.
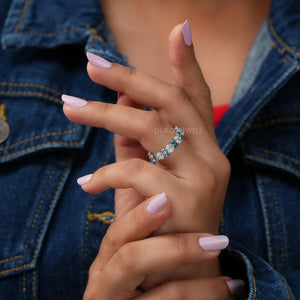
(282,62)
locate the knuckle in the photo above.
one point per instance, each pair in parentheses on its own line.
(226,167)
(105,107)
(128,74)
(92,270)
(178,93)
(222,168)
(181,242)
(111,238)
(136,166)
(125,258)
(150,122)
(172,95)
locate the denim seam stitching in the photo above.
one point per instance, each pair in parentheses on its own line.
(38,146)
(286,47)
(34,85)
(91,204)
(24,286)
(288,111)
(91,43)
(51,34)
(21,17)
(274,162)
(274,121)
(280,154)
(34,218)
(44,224)
(86,235)
(94,32)
(29,93)
(279,224)
(286,287)
(266,220)
(254,281)
(33,288)
(39,137)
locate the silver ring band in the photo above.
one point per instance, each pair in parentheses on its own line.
(165,152)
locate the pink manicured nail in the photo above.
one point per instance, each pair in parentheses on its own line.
(187,33)
(157,204)
(236,286)
(73,101)
(98,61)
(214,243)
(84,179)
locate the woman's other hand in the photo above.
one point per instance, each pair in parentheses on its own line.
(129,253)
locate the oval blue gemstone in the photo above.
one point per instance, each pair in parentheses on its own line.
(165,153)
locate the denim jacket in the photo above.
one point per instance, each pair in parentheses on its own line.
(50,230)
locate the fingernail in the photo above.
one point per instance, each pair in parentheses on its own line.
(98,61)
(84,179)
(236,286)
(214,243)
(157,204)
(187,33)
(73,101)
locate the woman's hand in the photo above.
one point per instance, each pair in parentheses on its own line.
(129,253)
(195,175)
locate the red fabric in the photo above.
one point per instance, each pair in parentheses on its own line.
(219,112)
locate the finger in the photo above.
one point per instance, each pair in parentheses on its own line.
(135,84)
(147,127)
(133,173)
(126,148)
(188,74)
(139,223)
(198,289)
(157,254)
(148,179)
(145,90)
(127,121)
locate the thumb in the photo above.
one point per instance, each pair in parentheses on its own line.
(187,72)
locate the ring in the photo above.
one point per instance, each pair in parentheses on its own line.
(165,152)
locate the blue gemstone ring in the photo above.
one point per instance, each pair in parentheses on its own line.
(165,152)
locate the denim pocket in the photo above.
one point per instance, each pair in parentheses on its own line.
(39,152)
(273,143)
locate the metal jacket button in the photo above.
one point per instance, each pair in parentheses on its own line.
(4,131)
(4,127)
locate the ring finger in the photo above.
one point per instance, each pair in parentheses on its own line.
(145,126)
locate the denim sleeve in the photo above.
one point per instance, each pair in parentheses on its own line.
(262,281)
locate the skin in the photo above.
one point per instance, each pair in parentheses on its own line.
(127,246)
(197,191)
(223,32)
(173,80)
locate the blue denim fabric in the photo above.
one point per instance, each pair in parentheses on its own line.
(50,230)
